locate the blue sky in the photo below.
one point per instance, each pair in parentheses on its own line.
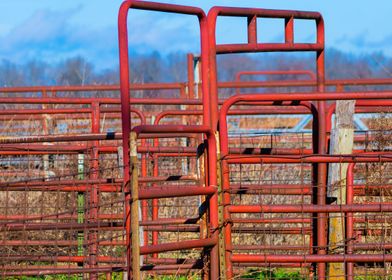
(52,30)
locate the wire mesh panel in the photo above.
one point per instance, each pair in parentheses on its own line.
(62,205)
(269,184)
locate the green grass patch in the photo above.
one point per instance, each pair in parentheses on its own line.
(278,274)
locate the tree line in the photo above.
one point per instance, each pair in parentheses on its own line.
(156,67)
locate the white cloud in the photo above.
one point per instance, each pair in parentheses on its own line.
(51,36)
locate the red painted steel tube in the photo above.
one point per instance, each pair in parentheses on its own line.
(172,221)
(311,83)
(172,228)
(349,226)
(109,226)
(59,259)
(45,148)
(356,247)
(259,159)
(275,189)
(270,230)
(172,129)
(149,260)
(154,203)
(61,138)
(270,248)
(311,258)
(93,200)
(80,101)
(44,111)
(298,220)
(62,188)
(176,246)
(310,74)
(29,89)
(108,182)
(178,86)
(168,178)
(278,189)
(71,215)
(114,101)
(161,151)
(82,137)
(65,271)
(158,269)
(144,173)
(240,266)
(191,76)
(54,183)
(24,153)
(175,191)
(284,208)
(61,226)
(272,220)
(173,267)
(371,246)
(265,84)
(57,243)
(268,47)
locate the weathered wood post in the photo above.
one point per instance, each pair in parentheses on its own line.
(342,141)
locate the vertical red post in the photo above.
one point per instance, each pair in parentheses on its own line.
(144,171)
(289,30)
(155,205)
(94,196)
(350,219)
(214,105)
(252,30)
(191,76)
(322,150)
(210,119)
(125,123)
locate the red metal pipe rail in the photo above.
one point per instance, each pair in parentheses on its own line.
(337,84)
(308,73)
(181,86)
